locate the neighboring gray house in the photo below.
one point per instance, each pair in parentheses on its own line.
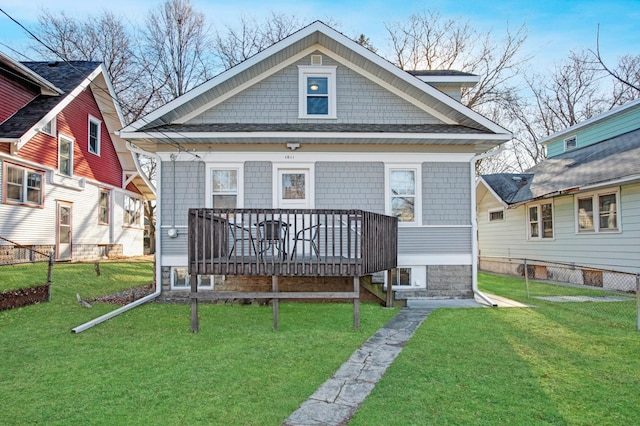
(352,130)
(580,206)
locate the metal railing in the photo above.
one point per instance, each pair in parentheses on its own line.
(39,270)
(609,294)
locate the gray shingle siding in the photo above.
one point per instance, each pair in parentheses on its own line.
(446,194)
(350,186)
(258,184)
(275,100)
(189,190)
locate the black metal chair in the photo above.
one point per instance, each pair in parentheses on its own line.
(310,234)
(273,235)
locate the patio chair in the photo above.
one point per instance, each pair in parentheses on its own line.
(309,234)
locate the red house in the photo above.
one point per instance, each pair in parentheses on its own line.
(67,181)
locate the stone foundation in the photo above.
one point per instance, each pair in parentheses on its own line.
(443,282)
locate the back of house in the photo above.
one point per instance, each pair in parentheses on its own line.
(317,121)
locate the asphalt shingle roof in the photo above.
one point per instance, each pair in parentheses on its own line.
(612,159)
(66,76)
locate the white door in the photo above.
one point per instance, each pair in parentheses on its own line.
(295,192)
(64,231)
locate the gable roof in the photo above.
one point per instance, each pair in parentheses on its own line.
(315,37)
(46,87)
(604,163)
(65,80)
(65,76)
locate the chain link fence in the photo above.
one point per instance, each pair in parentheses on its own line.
(25,274)
(606,294)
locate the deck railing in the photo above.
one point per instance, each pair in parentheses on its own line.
(281,242)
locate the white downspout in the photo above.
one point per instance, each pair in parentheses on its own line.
(474,227)
(158,256)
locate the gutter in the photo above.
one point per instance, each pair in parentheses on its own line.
(474,227)
(158,272)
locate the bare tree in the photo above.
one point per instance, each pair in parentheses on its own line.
(235,44)
(176,49)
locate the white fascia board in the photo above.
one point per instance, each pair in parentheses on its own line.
(46,86)
(338,37)
(317,135)
(481,181)
(300,157)
(593,120)
(225,75)
(58,108)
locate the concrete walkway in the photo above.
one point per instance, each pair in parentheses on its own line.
(337,400)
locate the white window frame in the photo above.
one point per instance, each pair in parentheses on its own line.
(418,277)
(72,142)
(203,285)
(239,168)
(540,236)
(98,123)
(137,208)
(573,138)
(108,213)
(51,131)
(489,219)
(417,207)
(595,199)
(307,71)
(24,187)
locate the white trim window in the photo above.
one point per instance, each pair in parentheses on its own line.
(403,191)
(49,127)
(65,155)
(180,279)
(540,221)
(571,143)
(225,186)
(598,212)
(407,277)
(132,211)
(93,144)
(22,186)
(317,91)
(496,215)
(104,206)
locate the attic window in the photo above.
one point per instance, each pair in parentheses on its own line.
(50,127)
(571,143)
(317,91)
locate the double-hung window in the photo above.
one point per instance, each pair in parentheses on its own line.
(132,211)
(597,212)
(224,188)
(403,193)
(23,186)
(317,86)
(104,204)
(540,221)
(94,135)
(65,155)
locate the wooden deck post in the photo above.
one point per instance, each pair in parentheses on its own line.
(356,303)
(195,326)
(274,288)
(389,290)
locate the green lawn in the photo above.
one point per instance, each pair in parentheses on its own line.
(557,363)
(146,367)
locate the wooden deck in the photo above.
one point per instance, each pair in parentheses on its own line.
(285,243)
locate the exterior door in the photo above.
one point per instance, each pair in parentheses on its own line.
(64,231)
(295,192)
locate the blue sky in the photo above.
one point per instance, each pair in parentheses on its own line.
(555,26)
